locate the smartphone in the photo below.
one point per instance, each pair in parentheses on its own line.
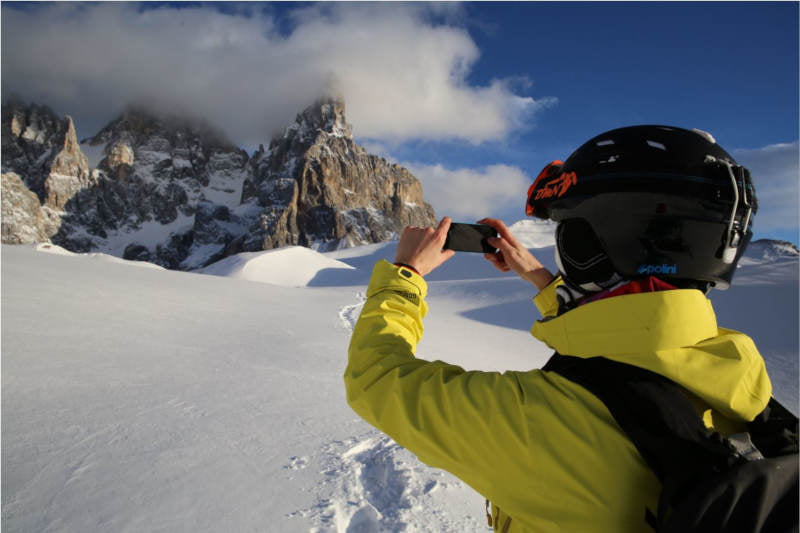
(470,238)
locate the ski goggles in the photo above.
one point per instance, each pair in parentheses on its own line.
(547,184)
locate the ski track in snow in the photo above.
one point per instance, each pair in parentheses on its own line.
(349,313)
(371,484)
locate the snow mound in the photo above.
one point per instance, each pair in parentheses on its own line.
(292,266)
(50,248)
(535,233)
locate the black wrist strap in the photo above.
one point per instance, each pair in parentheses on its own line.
(412,269)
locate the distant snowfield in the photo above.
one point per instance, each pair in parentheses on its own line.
(142,399)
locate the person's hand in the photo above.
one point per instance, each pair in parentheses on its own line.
(512,255)
(421,248)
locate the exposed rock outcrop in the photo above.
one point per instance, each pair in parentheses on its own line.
(23,219)
(318,188)
(43,150)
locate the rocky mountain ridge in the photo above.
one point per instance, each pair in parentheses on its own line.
(178,193)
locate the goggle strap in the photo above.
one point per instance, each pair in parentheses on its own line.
(546,173)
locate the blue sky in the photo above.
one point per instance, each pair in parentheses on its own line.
(474,98)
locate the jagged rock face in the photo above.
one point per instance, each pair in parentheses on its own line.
(318,188)
(69,171)
(119,161)
(179,161)
(44,151)
(153,170)
(23,220)
(175,192)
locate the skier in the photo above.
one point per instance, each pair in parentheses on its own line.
(649,219)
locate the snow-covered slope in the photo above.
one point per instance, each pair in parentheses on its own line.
(137,399)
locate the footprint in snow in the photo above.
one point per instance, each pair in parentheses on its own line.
(349,313)
(371,484)
(296,463)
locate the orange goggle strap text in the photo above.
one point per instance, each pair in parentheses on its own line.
(547,172)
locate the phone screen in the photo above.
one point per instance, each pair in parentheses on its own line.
(470,238)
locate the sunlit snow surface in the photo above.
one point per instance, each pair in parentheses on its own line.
(141,399)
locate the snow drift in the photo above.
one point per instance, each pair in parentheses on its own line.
(293,266)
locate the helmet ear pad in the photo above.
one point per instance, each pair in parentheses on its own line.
(581,258)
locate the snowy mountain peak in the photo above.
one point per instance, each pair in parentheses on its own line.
(326,115)
(772,249)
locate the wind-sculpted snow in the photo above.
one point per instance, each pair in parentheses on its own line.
(141,399)
(293,266)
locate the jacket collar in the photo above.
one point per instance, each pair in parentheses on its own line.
(673,333)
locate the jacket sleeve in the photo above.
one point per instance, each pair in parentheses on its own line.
(450,418)
(546,301)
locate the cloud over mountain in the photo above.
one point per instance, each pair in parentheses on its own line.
(470,192)
(403,69)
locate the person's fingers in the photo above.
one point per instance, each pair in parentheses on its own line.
(500,243)
(493,222)
(504,232)
(492,258)
(502,229)
(498,261)
(447,254)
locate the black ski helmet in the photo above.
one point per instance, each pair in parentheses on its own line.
(657,200)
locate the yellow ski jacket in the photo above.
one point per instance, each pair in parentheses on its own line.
(541,448)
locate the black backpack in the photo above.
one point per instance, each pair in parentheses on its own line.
(710,483)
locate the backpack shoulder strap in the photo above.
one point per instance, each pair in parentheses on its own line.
(653,412)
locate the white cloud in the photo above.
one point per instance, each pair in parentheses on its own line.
(403,75)
(469,193)
(776,174)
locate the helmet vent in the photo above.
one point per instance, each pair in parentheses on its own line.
(606,142)
(658,145)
